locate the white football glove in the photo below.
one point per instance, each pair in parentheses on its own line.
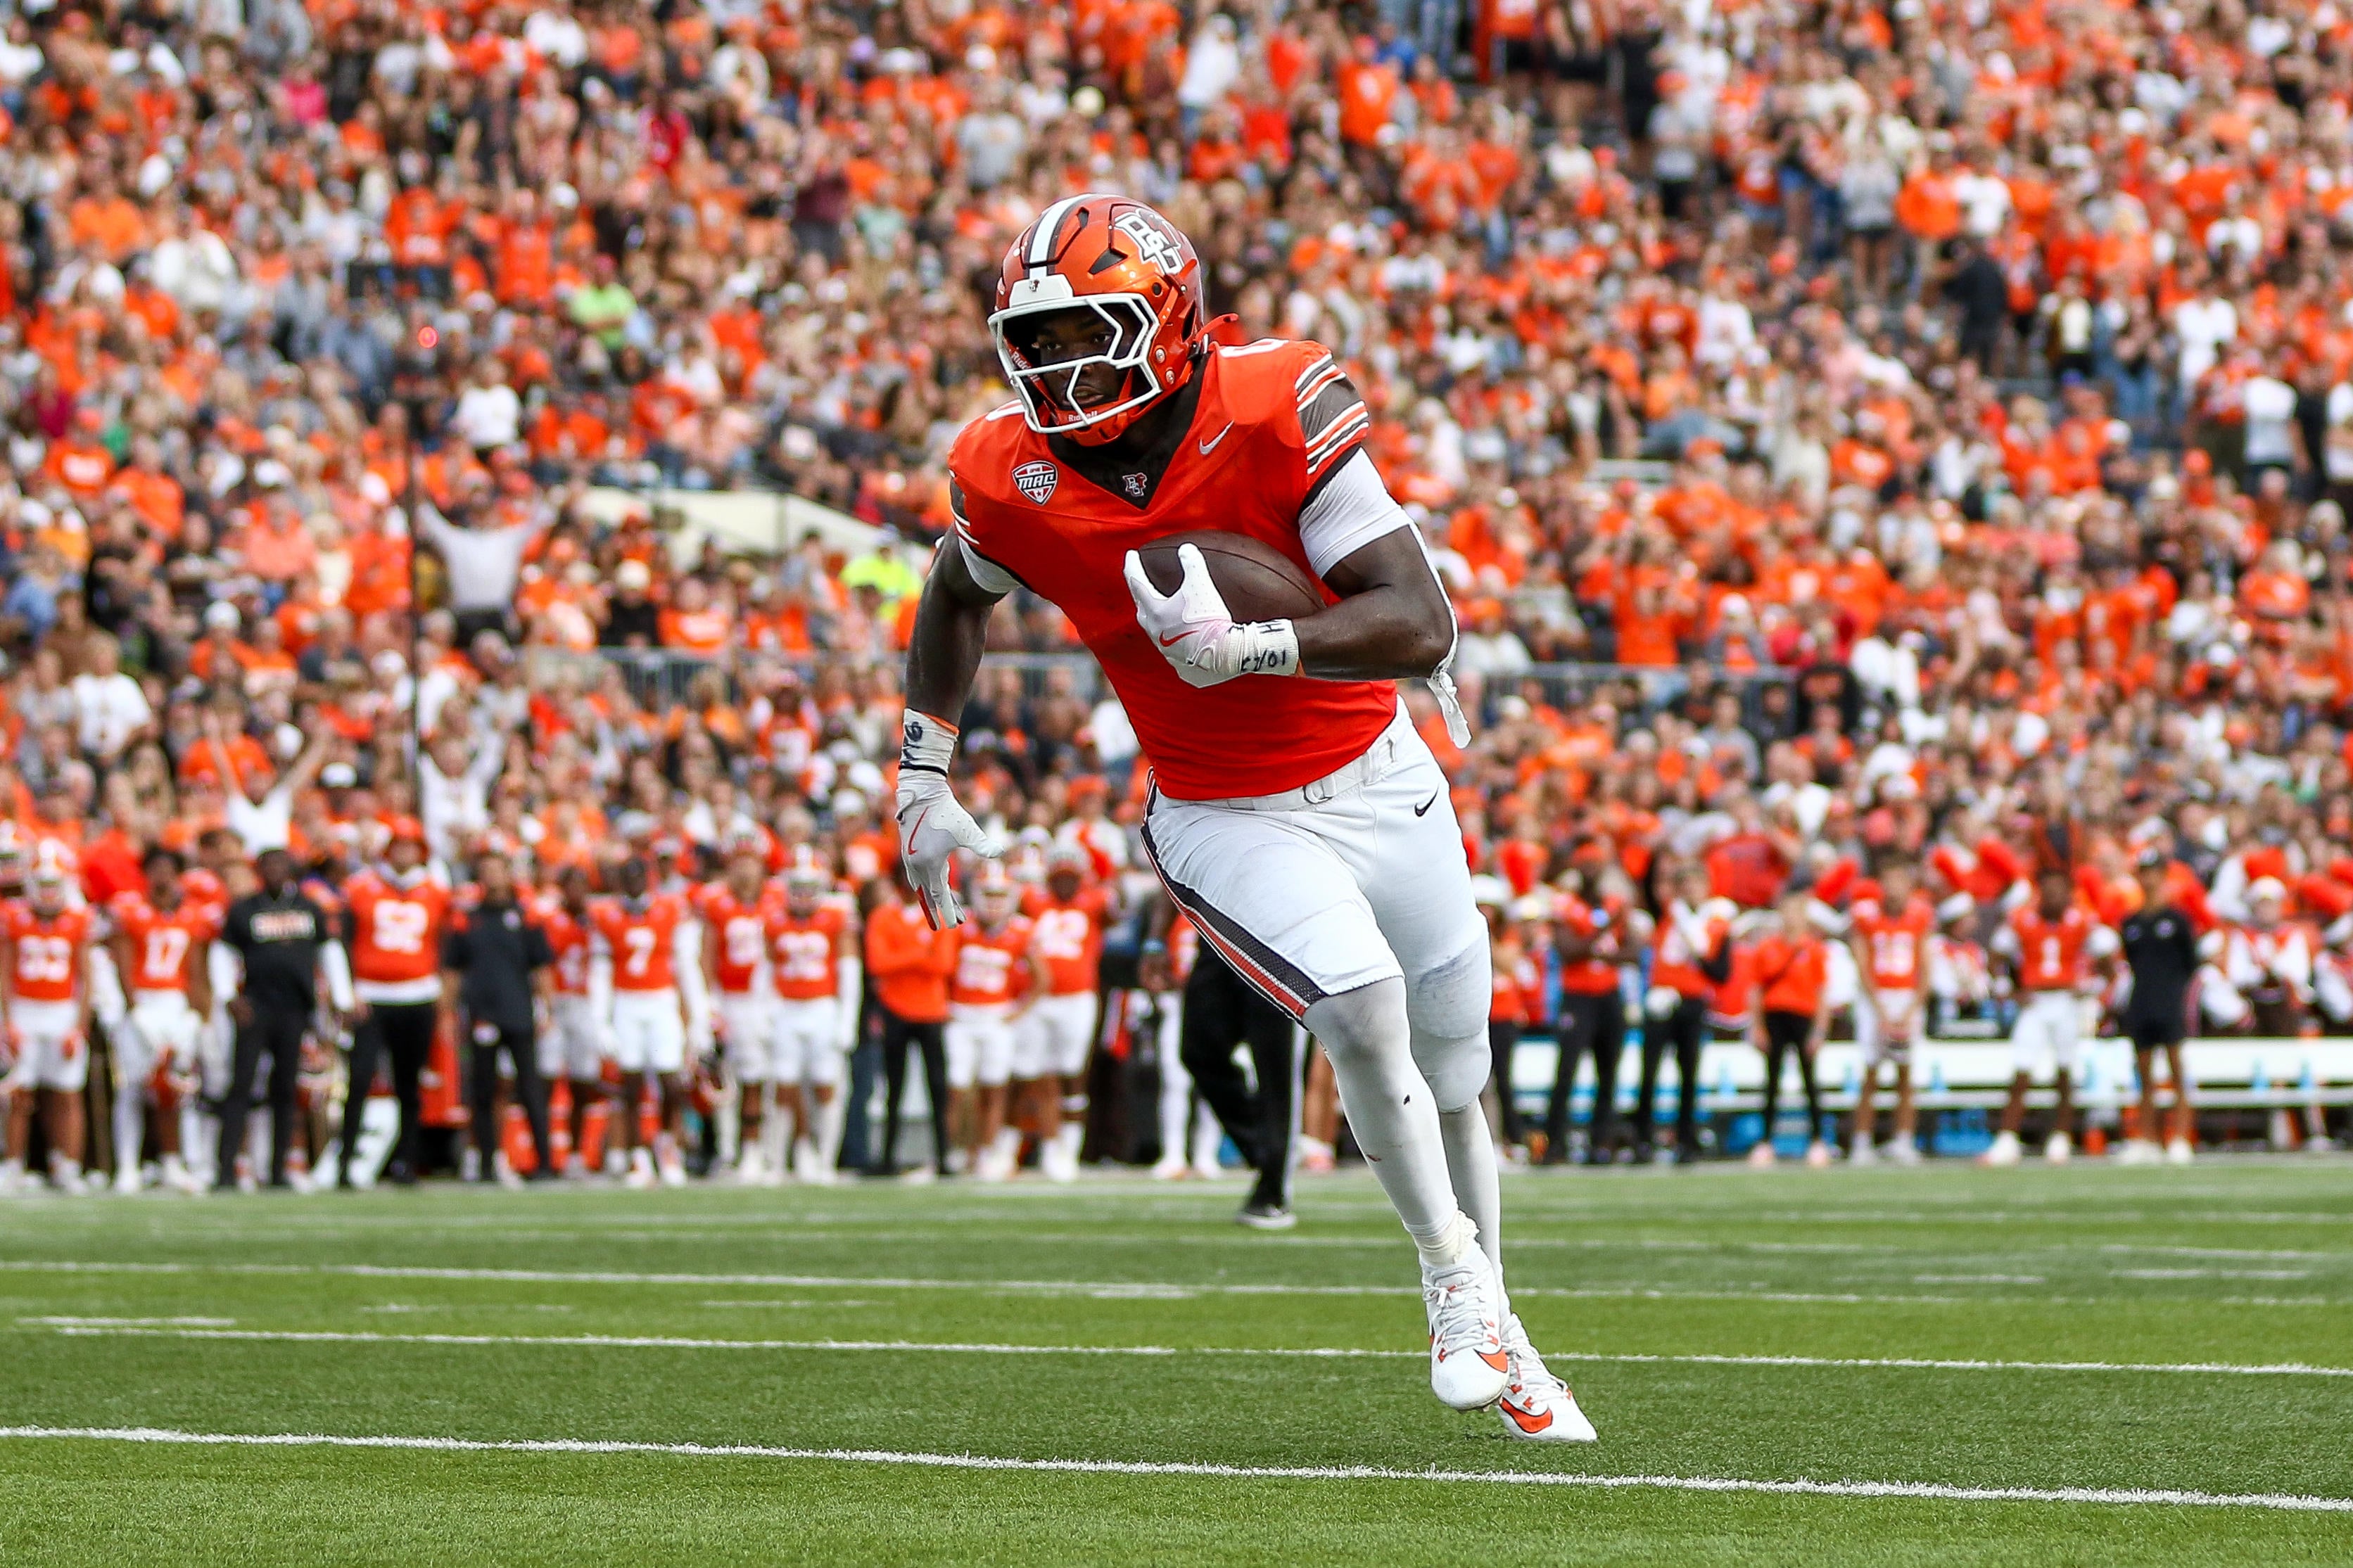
(931,826)
(1195,633)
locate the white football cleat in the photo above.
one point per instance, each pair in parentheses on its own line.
(178,1177)
(666,1162)
(2059,1149)
(1058,1160)
(641,1177)
(1863,1154)
(2139,1152)
(1171,1169)
(2180,1152)
(1902,1152)
(1761,1156)
(2004,1152)
(126,1183)
(1818,1154)
(1468,1368)
(1536,1406)
(751,1168)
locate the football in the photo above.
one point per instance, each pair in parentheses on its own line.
(1257,582)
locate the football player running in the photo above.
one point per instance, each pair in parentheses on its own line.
(1297,818)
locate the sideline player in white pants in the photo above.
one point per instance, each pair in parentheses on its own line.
(1056,1035)
(997,981)
(1297,817)
(646,977)
(2049,946)
(45,992)
(161,946)
(816,971)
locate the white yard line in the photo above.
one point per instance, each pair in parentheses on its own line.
(1931,1491)
(102,1328)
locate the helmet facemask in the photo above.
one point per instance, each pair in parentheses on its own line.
(1059,353)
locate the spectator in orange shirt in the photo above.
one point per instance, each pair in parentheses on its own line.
(909,963)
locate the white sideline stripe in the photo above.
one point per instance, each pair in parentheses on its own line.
(1106,1289)
(1932,1491)
(1109,1288)
(131,1329)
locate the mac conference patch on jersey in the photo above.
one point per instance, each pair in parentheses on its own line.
(1036,480)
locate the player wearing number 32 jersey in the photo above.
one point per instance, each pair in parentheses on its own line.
(1297,818)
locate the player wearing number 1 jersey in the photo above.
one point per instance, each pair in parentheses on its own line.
(1890,937)
(44,972)
(645,973)
(161,943)
(1298,818)
(814,964)
(2049,946)
(395,916)
(733,911)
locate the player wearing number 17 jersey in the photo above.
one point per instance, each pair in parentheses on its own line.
(1298,819)
(161,945)
(47,978)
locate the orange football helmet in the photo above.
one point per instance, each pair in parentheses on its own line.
(1099,316)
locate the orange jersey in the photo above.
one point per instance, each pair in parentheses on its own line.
(804,951)
(1068,941)
(734,934)
(2050,953)
(1273,420)
(1898,943)
(641,940)
(395,930)
(1789,975)
(991,966)
(567,938)
(160,943)
(47,966)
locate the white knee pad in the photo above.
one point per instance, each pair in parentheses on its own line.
(1447,1007)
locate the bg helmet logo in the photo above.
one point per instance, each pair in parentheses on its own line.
(1153,241)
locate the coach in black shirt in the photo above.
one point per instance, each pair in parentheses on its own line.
(284,940)
(493,959)
(2161,945)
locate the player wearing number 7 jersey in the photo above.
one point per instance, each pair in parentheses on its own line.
(397,915)
(1298,819)
(645,981)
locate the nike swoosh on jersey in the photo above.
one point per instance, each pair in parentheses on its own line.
(1210,445)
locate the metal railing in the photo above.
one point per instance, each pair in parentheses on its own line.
(659,678)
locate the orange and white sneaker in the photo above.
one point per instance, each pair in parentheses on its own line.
(1537,1406)
(1467,1364)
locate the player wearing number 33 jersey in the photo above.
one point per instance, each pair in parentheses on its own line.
(1297,818)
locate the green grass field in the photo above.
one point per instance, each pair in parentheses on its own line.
(1725,1329)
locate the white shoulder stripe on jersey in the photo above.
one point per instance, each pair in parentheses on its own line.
(1314,389)
(1003,411)
(1264,346)
(1348,426)
(1310,374)
(1041,239)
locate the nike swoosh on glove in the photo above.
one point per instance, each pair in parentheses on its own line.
(931,825)
(1195,633)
